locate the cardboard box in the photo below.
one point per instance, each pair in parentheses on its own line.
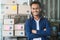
(19,33)
(9,9)
(19,26)
(23,2)
(7,33)
(8,1)
(8,21)
(8,27)
(24,9)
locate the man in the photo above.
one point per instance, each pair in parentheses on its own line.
(37,27)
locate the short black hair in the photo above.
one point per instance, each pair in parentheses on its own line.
(35,2)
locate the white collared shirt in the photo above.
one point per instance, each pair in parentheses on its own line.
(37,24)
(37,28)
(37,39)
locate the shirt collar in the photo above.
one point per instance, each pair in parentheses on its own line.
(34,19)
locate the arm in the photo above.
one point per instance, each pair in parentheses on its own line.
(28,30)
(48,30)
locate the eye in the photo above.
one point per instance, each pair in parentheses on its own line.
(37,8)
(33,8)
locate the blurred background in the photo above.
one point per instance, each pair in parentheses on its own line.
(13,14)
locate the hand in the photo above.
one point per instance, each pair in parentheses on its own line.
(34,31)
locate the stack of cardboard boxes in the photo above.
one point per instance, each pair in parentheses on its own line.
(19,30)
(8,27)
(10,8)
(15,13)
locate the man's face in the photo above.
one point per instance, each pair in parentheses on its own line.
(35,9)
